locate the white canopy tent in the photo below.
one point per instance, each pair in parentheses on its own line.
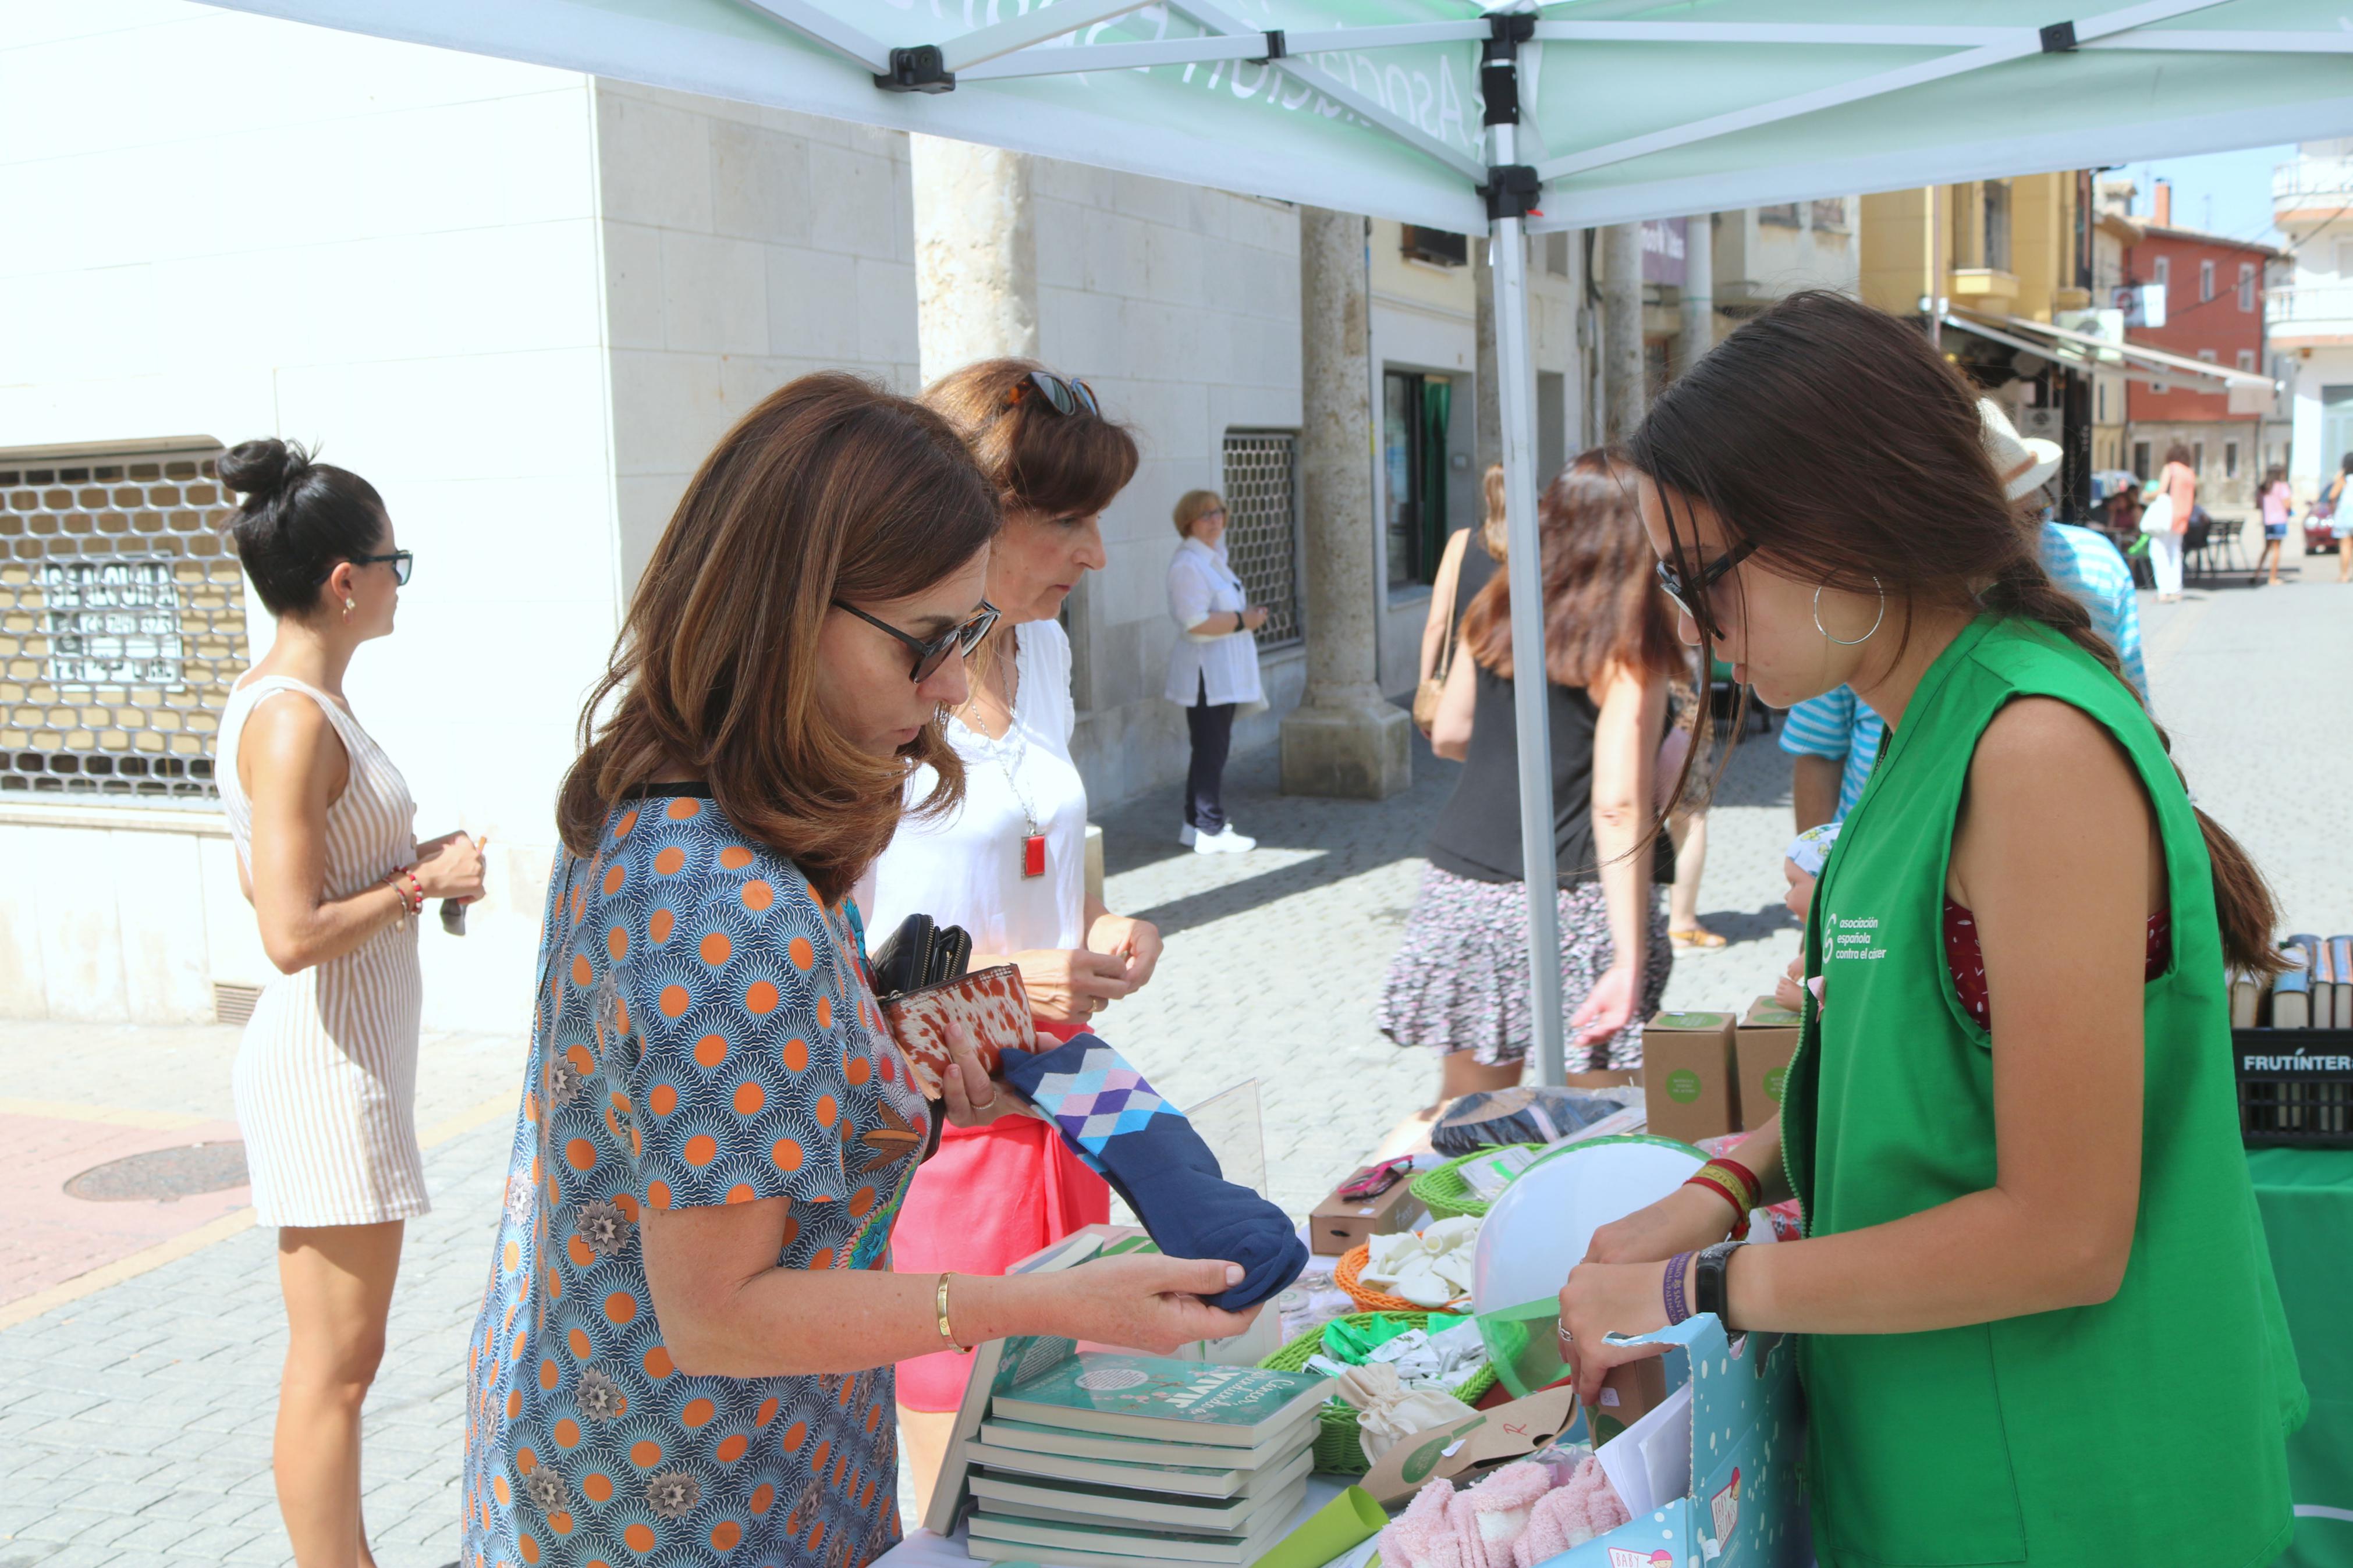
(1452,115)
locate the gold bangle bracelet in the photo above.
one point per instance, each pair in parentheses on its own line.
(940,1302)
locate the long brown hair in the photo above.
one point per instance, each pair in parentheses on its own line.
(1814,432)
(832,489)
(1065,465)
(1602,605)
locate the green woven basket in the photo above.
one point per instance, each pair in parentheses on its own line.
(1447,1196)
(1339,1451)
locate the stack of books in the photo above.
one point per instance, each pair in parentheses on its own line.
(2314,992)
(1112,1459)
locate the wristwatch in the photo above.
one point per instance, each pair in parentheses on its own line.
(1708,1274)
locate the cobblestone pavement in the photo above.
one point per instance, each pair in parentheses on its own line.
(134,1422)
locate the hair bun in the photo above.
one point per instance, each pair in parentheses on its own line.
(260,469)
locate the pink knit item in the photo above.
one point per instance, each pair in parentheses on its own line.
(1568,1516)
(1490,1517)
(1421,1536)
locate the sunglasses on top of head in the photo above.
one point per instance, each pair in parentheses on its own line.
(1065,397)
(933,652)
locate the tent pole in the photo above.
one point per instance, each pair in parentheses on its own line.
(1515,401)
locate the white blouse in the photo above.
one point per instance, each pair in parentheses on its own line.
(964,869)
(1201,584)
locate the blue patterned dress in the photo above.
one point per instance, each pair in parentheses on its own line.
(704,1033)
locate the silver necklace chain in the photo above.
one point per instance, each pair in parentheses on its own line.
(1009,750)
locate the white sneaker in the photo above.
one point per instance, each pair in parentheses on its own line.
(1186,836)
(1227,841)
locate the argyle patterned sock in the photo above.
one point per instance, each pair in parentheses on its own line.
(1150,1154)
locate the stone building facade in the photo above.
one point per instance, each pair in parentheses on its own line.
(523,303)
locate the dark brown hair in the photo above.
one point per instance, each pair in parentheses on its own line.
(301,519)
(832,489)
(1813,432)
(2179,453)
(1602,604)
(1064,465)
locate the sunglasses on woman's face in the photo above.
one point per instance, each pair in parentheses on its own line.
(402,562)
(933,652)
(1693,600)
(1065,396)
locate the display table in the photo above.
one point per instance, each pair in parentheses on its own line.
(922,1548)
(2307,1197)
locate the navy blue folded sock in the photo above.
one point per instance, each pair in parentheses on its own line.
(1152,1157)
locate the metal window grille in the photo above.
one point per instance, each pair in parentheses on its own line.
(1829,215)
(122,622)
(1262,527)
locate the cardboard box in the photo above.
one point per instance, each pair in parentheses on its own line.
(1689,1084)
(1337,1224)
(1465,1449)
(1763,1044)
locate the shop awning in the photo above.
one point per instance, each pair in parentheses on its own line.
(2138,361)
(2061,353)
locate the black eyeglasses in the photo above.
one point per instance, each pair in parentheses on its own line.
(402,562)
(933,652)
(1694,599)
(1066,396)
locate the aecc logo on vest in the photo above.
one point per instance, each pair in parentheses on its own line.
(1852,937)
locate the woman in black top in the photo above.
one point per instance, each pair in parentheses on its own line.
(1458,983)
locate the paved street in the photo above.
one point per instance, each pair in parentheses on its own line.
(134,1419)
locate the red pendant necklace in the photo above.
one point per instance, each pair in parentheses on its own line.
(1016,743)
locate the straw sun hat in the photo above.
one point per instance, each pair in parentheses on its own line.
(2024,462)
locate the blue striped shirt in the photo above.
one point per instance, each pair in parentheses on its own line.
(2082,562)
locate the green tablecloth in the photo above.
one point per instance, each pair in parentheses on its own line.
(2307,1197)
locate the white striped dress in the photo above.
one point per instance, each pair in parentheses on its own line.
(326,1078)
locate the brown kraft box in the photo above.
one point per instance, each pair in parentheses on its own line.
(1689,1088)
(1763,1044)
(1338,1224)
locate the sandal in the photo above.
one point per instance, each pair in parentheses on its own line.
(1696,937)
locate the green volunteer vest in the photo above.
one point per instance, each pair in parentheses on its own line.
(2148,1430)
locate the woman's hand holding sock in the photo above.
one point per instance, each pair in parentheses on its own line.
(1152,1157)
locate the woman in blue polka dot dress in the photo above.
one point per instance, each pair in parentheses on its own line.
(684,1353)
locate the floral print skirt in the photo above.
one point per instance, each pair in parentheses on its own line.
(1459,979)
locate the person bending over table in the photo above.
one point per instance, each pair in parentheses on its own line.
(2036,1317)
(685,1353)
(1008,864)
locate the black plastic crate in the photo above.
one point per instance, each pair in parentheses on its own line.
(2295,1086)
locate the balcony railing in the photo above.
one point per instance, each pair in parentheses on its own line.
(2331,303)
(2307,183)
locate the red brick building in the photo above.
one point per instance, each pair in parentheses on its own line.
(2214,311)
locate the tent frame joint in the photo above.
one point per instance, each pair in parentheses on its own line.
(1512,191)
(1276,49)
(1506,31)
(917,68)
(2059,38)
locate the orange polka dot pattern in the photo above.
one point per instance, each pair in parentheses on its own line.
(703,1033)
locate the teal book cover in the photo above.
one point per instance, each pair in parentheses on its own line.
(1111,1391)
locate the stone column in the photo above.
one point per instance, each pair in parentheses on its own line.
(1621,329)
(1344,740)
(976,254)
(1699,290)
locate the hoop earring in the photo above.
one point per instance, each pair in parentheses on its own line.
(1850,642)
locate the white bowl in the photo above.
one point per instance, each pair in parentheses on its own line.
(1538,1230)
